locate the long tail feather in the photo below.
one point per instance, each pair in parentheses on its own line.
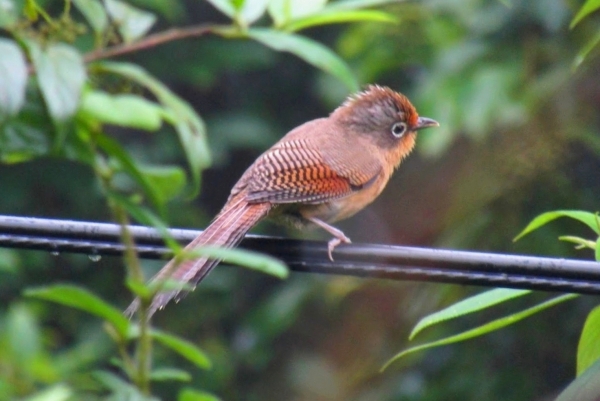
(226,230)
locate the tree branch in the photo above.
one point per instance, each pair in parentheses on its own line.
(151,41)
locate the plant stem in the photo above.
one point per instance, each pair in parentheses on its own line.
(67,9)
(139,374)
(44,15)
(132,261)
(143,356)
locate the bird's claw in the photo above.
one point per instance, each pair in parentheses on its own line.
(338,235)
(335,241)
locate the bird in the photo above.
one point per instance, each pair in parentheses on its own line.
(322,171)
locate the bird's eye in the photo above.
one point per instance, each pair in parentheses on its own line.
(399,129)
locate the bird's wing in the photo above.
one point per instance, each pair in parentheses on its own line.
(297,171)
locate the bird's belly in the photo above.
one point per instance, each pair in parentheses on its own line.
(341,209)
(330,211)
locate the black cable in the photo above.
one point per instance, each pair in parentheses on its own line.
(362,260)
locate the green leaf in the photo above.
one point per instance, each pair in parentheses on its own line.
(283,11)
(30,10)
(484,329)
(81,299)
(581,242)
(310,51)
(585,388)
(189,394)
(120,388)
(588,350)
(183,347)
(132,22)
(27,135)
(225,6)
(252,260)
(79,146)
(13,78)
(586,218)
(61,74)
(588,7)
(598,250)
(23,334)
(251,11)
(278,11)
(339,17)
(468,305)
(138,288)
(125,110)
(94,13)
(170,374)
(9,14)
(10,261)
(58,392)
(168,181)
(357,4)
(189,126)
(130,167)
(583,53)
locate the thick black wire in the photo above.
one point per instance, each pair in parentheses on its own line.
(361,260)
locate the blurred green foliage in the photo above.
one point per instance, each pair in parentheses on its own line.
(520,137)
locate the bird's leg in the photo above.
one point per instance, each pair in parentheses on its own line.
(338,235)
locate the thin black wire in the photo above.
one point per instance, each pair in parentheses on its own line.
(360,260)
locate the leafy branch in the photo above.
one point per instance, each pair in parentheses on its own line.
(57,100)
(588,352)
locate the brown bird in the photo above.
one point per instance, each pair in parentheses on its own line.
(320,172)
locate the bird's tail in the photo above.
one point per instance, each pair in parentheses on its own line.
(226,230)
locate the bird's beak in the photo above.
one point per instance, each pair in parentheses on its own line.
(424,122)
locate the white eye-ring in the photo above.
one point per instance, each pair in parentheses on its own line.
(399,129)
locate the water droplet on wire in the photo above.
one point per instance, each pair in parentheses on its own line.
(94,256)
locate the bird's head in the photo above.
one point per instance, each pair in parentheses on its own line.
(384,115)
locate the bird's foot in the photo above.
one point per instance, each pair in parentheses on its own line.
(335,241)
(338,235)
